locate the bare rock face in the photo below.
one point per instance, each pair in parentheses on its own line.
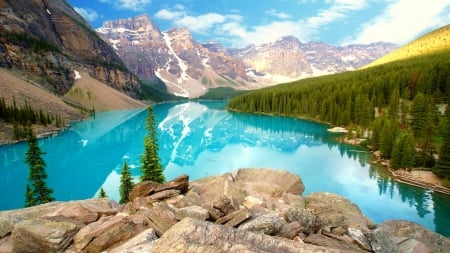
(187,67)
(309,222)
(160,191)
(288,58)
(188,235)
(336,211)
(42,235)
(48,40)
(405,236)
(105,233)
(85,211)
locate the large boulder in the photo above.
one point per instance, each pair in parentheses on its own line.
(337,213)
(141,243)
(190,235)
(309,222)
(212,189)
(268,224)
(42,235)
(104,233)
(195,212)
(405,236)
(147,188)
(82,211)
(275,183)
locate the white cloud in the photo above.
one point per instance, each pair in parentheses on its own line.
(403,20)
(200,23)
(86,13)
(135,5)
(197,24)
(169,15)
(280,15)
(338,10)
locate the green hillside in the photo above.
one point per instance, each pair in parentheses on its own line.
(429,43)
(395,106)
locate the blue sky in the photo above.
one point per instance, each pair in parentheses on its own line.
(237,23)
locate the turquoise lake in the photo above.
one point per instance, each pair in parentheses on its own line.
(203,139)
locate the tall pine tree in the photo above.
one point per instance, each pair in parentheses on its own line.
(442,167)
(151,169)
(37,191)
(126,184)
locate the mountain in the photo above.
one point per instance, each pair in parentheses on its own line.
(47,40)
(289,59)
(186,67)
(189,68)
(431,42)
(54,62)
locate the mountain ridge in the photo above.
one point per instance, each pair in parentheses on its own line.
(183,63)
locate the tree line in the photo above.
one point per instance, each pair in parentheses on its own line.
(21,116)
(397,107)
(37,191)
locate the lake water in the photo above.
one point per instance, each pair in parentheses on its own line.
(202,139)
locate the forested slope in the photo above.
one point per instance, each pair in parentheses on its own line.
(432,42)
(394,105)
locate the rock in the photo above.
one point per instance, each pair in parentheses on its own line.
(190,199)
(143,189)
(214,214)
(84,211)
(275,183)
(309,221)
(141,243)
(180,183)
(190,235)
(359,238)
(42,235)
(294,199)
(331,243)
(6,245)
(395,235)
(224,205)
(268,224)
(211,189)
(290,230)
(139,203)
(174,187)
(165,194)
(235,218)
(194,212)
(161,218)
(250,202)
(105,233)
(336,211)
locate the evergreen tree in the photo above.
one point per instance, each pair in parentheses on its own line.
(126,184)
(151,169)
(442,167)
(29,200)
(403,151)
(37,192)
(102,193)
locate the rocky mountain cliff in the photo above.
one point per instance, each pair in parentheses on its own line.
(47,40)
(248,210)
(288,59)
(186,67)
(189,68)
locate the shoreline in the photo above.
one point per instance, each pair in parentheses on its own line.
(429,182)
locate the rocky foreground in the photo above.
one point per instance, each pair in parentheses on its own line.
(249,210)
